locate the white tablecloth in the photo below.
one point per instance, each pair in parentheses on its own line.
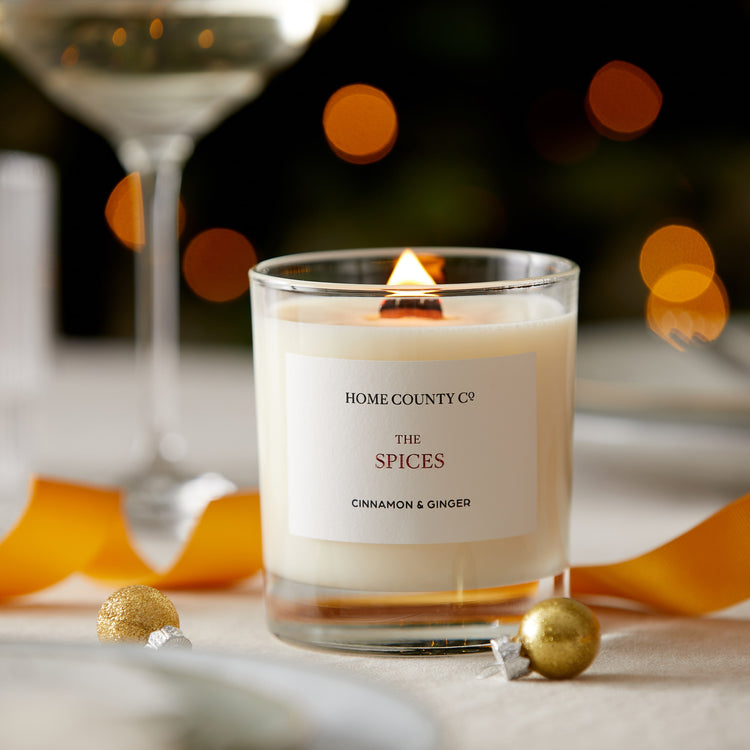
(659,681)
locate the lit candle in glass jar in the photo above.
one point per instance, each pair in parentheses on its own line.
(414,443)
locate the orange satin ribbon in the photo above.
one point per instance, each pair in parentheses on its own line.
(69,528)
(703,570)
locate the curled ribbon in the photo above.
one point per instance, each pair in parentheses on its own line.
(703,570)
(70,528)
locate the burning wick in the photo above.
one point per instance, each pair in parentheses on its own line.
(415,307)
(401,304)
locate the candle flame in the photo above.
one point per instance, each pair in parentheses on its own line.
(409,271)
(410,302)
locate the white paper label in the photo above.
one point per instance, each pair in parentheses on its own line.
(411,452)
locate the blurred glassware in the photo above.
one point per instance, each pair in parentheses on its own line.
(153,76)
(28,189)
(625,369)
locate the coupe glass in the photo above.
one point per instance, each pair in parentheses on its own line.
(153,76)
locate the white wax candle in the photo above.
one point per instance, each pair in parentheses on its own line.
(473,328)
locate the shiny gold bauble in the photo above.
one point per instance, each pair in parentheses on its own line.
(133,613)
(560,637)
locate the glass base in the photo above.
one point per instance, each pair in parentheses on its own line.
(401,624)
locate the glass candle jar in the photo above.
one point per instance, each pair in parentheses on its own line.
(414,438)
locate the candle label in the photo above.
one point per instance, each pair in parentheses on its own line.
(411,452)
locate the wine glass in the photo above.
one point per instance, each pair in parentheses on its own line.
(153,76)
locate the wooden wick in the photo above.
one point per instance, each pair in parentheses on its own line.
(420,306)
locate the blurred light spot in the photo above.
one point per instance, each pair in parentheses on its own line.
(69,56)
(360,124)
(683,283)
(695,321)
(119,37)
(124,212)
(559,130)
(298,20)
(684,254)
(623,101)
(216,263)
(206,38)
(156,30)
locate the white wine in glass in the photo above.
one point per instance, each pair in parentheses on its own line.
(153,77)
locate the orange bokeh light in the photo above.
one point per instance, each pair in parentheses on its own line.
(69,56)
(697,320)
(360,123)
(216,264)
(206,38)
(683,283)
(124,212)
(623,101)
(156,29)
(119,37)
(676,263)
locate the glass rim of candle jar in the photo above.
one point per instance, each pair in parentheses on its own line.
(290,272)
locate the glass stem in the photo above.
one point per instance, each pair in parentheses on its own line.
(159,162)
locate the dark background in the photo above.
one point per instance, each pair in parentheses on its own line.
(474,83)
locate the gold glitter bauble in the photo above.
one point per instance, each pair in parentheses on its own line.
(133,613)
(560,637)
